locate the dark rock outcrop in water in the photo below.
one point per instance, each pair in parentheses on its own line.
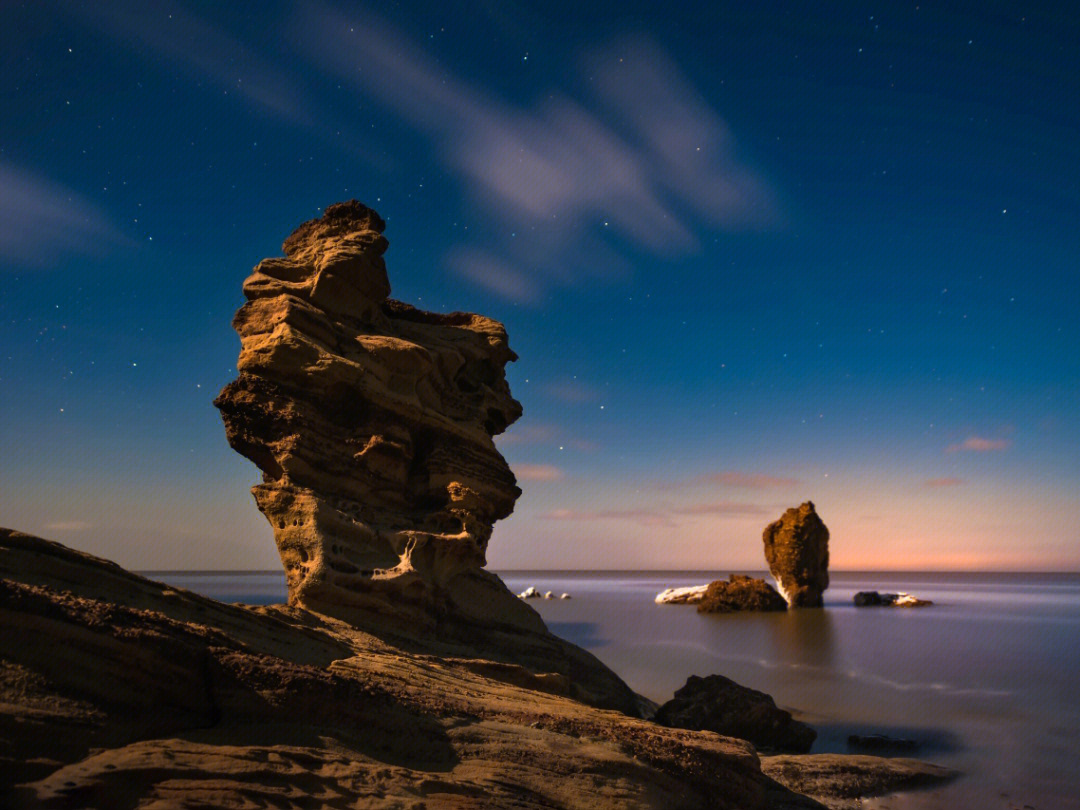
(875,599)
(797,551)
(719,704)
(740,593)
(372,424)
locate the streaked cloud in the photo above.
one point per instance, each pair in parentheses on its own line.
(493,274)
(643,517)
(572,183)
(571,391)
(666,516)
(170,31)
(979,444)
(744,480)
(944,482)
(41,219)
(68,526)
(722,508)
(527,433)
(537,472)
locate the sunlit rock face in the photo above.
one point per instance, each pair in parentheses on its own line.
(372,423)
(797,550)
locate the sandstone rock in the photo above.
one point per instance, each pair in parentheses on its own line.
(530,593)
(564,596)
(740,593)
(681,596)
(719,704)
(372,423)
(797,550)
(116,691)
(867,599)
(842,780)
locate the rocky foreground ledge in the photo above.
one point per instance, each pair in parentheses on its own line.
(117,691)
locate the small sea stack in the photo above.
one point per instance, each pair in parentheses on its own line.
(797,551)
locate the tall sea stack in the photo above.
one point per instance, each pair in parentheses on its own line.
(797,550)
(372,423)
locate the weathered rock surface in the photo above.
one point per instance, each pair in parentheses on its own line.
(716,703)
(840,781)
(797,551)
(116,691)
(876,599)
(740,593)
(372,424)
(689,595)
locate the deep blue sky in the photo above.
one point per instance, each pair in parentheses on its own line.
(749,254)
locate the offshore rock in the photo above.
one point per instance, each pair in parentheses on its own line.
(797,550)
(372,423)
(740,593)
(719,704)
(875,599)
(688,595)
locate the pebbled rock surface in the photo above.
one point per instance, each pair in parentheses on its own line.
(716,703)
(372,423)
(740,593)
(797,551)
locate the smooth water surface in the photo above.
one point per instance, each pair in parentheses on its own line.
(986,680)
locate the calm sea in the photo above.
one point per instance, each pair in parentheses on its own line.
(986,681)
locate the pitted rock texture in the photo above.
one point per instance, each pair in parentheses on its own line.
(372,423)
(797,550)
(371,420)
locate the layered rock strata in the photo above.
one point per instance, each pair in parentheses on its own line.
(797,551)
(117,691)
(716,703)
(372,423)
(740,592)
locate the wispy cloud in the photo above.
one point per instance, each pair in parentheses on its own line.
(660,515)
(643,517)
(170,31)
(979,444)
(571,391)
(68,526)
(642,164)
(528,433)
(537,472)
(41,219)
(494,275)
(739,480)
(944,482)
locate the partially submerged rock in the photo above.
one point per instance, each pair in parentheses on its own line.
(881,743)
(901,599)
(840,781)
(681,596)
(740,593)
(797,551)
(716,703)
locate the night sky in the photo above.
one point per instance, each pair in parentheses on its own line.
(749,254)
